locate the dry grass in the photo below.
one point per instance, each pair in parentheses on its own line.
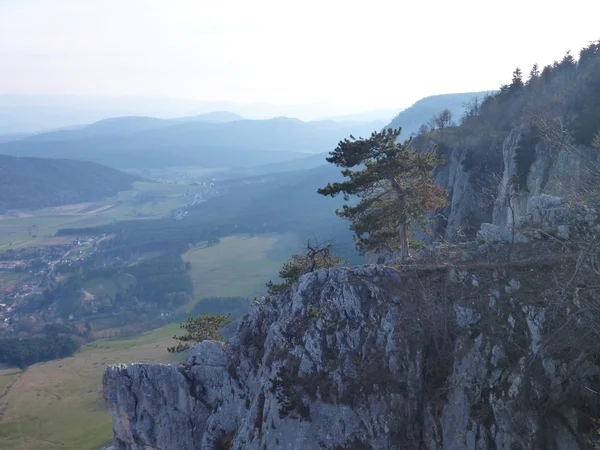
(239,266)
(59,404)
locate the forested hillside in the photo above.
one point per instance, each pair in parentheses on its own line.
(506,144)
(30,183)
(284,203)
(422,111)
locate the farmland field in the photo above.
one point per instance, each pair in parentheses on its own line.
(59,404)
(239,266)
(144,201)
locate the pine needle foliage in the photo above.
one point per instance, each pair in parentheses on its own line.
(205,327)
(394,184)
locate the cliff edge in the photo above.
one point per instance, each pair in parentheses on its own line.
(464,349)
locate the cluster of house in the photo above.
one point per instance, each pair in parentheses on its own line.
(12,292)
(11,318)
(11,297)
(5,311)
(35,264)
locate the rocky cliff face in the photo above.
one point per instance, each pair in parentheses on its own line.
(453,353)
(557,170)
(484,345)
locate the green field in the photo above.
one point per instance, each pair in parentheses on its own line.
(239,266)
(144,201)
(59,404)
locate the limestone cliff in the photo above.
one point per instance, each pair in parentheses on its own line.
(459,351)
(557,170)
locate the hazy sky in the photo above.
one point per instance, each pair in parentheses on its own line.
(367,54)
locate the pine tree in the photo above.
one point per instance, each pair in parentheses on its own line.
(394,184)
(568,61)
(547,72)
(534,73)
(202,328)
(517,80)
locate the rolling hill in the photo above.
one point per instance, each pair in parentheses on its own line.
(13,136)
(306,162)
(29,183)
(127,125)
(143,142)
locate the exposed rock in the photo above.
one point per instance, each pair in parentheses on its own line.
(348,360)
(164,406)
(464,209)
(465,317)
(563,231)
(507,203)
(545,211)
(513,286)
(551,173)
(500,234)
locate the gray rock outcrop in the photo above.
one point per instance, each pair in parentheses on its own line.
(362,358)
(558,171)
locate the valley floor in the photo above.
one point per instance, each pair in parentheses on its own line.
(145,201)
(59,404)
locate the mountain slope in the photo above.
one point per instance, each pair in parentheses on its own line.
(532,136)
(414,116)
(13,136)
(308,162)
(30,183)
(277,198)
(106,127)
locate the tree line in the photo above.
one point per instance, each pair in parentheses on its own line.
(55,342)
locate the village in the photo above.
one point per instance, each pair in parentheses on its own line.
(26,273)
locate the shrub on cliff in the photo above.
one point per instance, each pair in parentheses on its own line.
(202,328)
(315,257)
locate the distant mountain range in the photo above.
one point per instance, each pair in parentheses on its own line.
(29,183)
(13,136)
(35,113)
(219,139)
(127,125)
(147,142)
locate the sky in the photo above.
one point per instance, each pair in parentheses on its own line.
(358,54)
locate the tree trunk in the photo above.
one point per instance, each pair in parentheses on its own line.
(403,237)
(402,234)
